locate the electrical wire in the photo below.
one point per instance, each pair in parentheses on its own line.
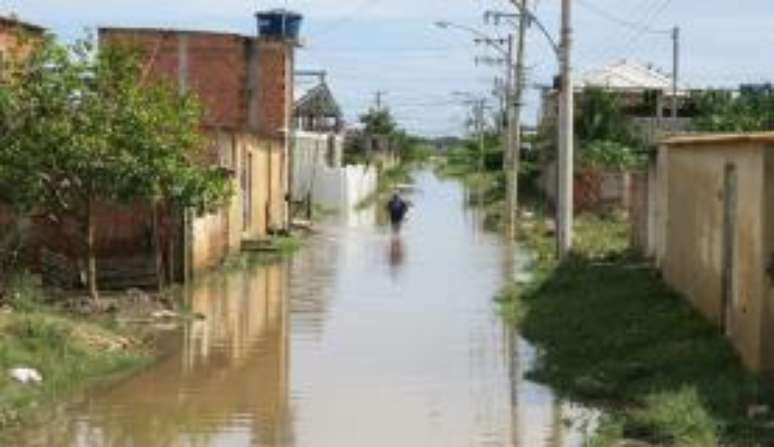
(631,36)
(350,17)
(622,22)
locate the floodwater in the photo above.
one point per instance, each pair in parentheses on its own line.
(362,339)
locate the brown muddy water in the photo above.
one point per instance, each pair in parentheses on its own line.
(362,339)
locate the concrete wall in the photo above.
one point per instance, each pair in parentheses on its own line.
(643,210)
(344,188)
(595,190)
(194,244)
(690,212)
(317,171)
(257,206)
(312,154)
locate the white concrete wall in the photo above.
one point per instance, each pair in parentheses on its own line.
(317,171)
(343,188)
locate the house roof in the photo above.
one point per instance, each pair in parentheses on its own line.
(627,75)
(317,100)
(14,22)
(703,140)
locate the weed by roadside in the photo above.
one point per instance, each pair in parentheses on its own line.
(69,352)
(612,335)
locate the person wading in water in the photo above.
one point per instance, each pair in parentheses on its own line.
(397,207)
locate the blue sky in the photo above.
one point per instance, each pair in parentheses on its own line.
(392,45)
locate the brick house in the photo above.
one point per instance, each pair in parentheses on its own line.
(246,86)
(16,40)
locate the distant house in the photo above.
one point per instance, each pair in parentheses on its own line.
(16,39)
(647,93)
(316,109)
(319,177)
(647,96)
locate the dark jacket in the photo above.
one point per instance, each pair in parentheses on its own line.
(397,208)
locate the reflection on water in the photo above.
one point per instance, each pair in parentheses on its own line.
(397,255)
(364,339)
(226,383)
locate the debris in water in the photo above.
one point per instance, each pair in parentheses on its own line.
(25,375)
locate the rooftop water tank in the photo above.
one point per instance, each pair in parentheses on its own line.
(279,24)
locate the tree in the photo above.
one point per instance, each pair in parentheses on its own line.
(607,136)
(379,122)
(81,128)
(721,111)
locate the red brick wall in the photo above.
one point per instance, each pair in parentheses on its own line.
(217,69)
(122,231)
(275,87)
(15,42)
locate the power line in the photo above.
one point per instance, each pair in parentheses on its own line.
(631,35)
(353,15)
(623,22)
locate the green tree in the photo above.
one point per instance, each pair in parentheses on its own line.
(81,128)
(722,111)
(379,122)
(606,133)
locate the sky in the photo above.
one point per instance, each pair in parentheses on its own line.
(393,46)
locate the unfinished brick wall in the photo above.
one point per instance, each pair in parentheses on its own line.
(16,41)
(245,83)
(210,65)
(275,87)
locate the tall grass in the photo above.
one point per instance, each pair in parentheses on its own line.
(611,334)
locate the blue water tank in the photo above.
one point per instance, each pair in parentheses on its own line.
(279,23)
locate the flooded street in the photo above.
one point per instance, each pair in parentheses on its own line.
(360,340)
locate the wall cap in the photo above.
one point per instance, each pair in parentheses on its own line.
(718,139)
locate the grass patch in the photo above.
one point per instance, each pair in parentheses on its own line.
(321,213)
(288,245)
(612,335)
(69,352)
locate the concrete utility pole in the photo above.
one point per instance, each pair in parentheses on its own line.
(379,95)
(675,74)
(514,127)
(479,112)
(508,89)
(565,217)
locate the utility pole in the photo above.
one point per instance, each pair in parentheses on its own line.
(379,95)
(479,111)
(508,88)
(514,126)
(565,217)
(675,74)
